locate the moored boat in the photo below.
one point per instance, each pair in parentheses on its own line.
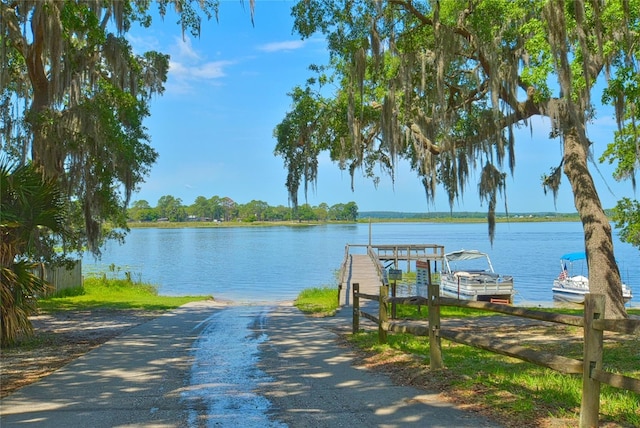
(572,283)
(469,275)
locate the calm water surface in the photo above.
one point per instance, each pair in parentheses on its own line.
(273,263)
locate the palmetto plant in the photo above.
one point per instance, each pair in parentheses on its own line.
(32,215)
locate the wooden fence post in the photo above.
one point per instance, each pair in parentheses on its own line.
(435,348)
(592,359)
(356,308)
(393,303)
(383,314)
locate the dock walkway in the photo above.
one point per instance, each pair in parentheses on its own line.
(359,269)
(367,269)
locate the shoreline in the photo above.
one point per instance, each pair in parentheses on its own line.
(291,223)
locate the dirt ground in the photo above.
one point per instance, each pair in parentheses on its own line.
(60,338)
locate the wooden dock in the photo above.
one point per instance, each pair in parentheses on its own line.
(368,269)
(359,269)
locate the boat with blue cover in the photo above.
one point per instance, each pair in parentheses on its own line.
(572,283)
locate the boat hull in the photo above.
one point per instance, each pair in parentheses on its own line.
(469,275)
(574,291)
(570,296)
(498,291)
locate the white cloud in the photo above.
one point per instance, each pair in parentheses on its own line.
(210,70)
(184,49)
(185,78)
(282,46)
(177,69)
(188,68)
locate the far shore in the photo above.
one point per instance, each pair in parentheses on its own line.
(529,218)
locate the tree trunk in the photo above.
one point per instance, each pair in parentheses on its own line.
(604,275)
(45,152)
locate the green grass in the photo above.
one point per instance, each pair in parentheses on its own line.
(108,293)
(414,313)
(318,301)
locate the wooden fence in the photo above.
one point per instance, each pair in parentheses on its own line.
(60,277)
(592,323)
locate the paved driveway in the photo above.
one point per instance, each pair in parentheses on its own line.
(275,367)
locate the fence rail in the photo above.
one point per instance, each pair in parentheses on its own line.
(592,323)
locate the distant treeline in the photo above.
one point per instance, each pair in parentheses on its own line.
(223,209)
(459,215)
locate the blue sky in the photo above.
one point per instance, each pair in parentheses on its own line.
(227,91)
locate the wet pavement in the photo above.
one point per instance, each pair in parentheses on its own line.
(224,376)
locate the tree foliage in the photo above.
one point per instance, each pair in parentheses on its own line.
(623,93)
(170,208)
(73,97)
(626,217)
(445,84)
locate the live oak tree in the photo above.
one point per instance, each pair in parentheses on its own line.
(445,84)
(73,97)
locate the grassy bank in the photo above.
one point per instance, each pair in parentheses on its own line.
(100,292)
(318,301)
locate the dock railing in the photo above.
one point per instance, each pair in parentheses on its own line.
(406,253)
(397,253)
(592,323)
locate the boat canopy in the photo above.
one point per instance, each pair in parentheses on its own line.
(572,257)
(465,255)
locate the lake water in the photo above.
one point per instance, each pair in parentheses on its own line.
(273,263)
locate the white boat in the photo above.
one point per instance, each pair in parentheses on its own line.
(469,275)
(573,282)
